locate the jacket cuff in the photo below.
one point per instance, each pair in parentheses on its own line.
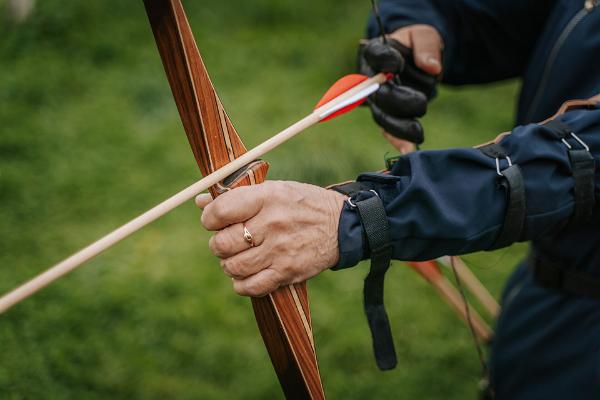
(350,239)
(410,12)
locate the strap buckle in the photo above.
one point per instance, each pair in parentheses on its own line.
(353,205)
(510,164)
(581,142)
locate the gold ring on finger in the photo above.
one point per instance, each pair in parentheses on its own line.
(248,237)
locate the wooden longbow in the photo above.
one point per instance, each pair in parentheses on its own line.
(283,317)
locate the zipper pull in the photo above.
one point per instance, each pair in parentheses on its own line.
(590,4)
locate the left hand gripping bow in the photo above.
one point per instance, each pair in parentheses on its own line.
(283,317)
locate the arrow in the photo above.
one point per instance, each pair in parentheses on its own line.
(346,94)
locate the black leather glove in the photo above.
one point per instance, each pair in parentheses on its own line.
(400,101)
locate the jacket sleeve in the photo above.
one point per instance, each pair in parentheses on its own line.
(484,40)
(449,202)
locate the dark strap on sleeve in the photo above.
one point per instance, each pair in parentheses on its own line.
(493,150)
(583,168)
(349,188)
(373,218)
(374,221)
(557,129)
(515,210)
(511,180)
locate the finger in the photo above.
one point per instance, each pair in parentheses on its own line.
(237,205)
(427,47)
(383,58)
(400,101)
(259,284)
(412,75)
(402,36)
(403,146)
(363,66)
(203,199)
(420,81)
(402,128)
(246,263)
(231,240)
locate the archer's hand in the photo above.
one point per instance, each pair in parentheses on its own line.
(413,54)
(294,229)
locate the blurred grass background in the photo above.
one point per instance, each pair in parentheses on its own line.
(90,137)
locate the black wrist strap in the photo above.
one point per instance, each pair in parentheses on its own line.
(373,218)
(511,180)
(583,168)
(515,211)
(583,165)
(374,221)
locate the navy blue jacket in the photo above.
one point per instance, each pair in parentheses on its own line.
(547,345)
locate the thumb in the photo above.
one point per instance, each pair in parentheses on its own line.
(203,199)
(403,146)
(427,49)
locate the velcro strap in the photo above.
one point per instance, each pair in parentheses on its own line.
(493,150)
(558,129)
(349,188)
(511,180)
(514,219)
(552,275)
(374,221)
(583,166)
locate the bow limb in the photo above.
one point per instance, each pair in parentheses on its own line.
(283,317)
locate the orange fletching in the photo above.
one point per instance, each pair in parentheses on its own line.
(341,86)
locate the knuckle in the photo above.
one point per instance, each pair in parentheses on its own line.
(217,210)
(232,268)
(224,267)
(286,268)
(276,189)
(239,287)
(277,224)
(264,189)
(268,185)
(280,247)
(211,245)
(278,220)
(219,244)
(257,289)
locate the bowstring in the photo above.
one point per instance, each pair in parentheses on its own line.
(375,9)
(476,341)
(459,285)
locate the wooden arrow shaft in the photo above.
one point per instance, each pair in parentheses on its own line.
(114,237)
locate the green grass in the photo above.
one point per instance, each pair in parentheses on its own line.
(90,137)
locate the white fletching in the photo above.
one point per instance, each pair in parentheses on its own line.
(358,96)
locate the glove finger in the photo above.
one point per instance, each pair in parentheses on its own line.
(412,75)
(364,68)
(400,101)
(383,58)
(421,81)
(403,128)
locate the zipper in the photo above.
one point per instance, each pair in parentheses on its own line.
(573,22)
